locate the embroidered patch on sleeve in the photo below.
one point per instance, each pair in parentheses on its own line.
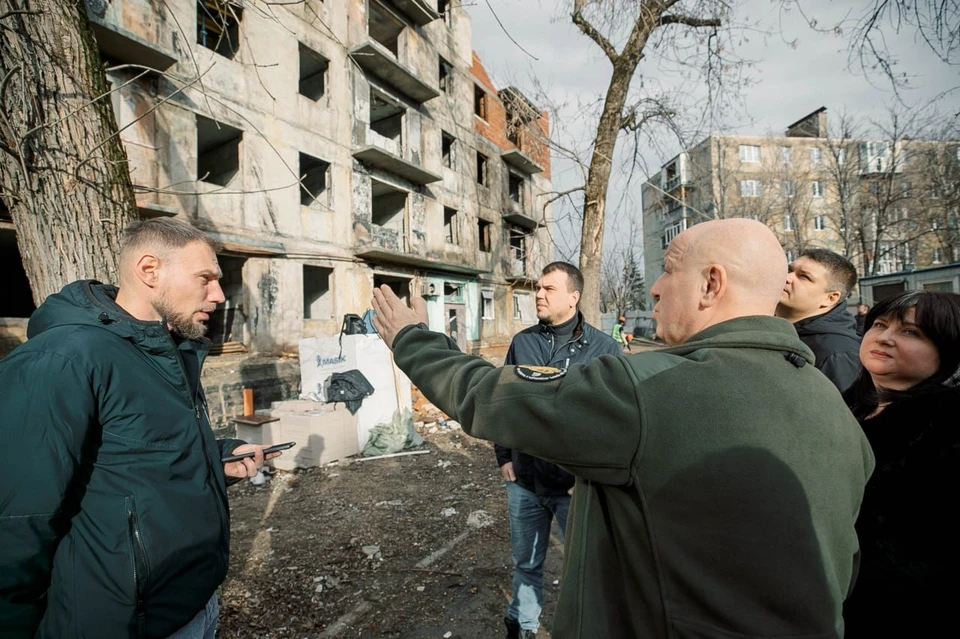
(539,373)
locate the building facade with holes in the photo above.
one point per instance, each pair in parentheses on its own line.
(331,147)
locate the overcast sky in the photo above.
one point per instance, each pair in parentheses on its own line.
(788,81)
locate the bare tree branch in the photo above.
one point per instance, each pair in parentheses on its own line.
(591,32)
(689,21)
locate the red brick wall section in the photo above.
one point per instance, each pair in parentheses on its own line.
(494,128)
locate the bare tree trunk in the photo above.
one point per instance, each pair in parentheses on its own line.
(595,193)
(650,14)
(605,142)
(63,168)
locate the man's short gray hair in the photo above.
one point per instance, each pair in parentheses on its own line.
(163,234)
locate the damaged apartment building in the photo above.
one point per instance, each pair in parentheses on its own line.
(331,146)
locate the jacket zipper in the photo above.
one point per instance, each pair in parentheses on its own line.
(224,525)
(139,570)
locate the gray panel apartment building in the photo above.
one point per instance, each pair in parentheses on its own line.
(332,146)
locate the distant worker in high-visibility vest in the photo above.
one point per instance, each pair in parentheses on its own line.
(619,336)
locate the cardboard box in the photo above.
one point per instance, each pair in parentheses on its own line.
(324,433)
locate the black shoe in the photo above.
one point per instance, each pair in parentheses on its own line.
(513,628)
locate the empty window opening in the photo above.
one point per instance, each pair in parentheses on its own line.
(384,27)
(218,151)
(486,305)
(479,101)
(218,26)
(17,298)
(386,123)
(481,169)
(450,225)
(484,236)
(313,73)
(516,189)
(445,11)
(388,205)
(317,292)
(314,179)
(513,132)
(446,76)
(448,145)
(399,285)
(226,323)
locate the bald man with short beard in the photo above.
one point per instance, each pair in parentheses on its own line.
(718,479)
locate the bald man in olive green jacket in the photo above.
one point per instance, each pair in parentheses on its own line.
(718,480)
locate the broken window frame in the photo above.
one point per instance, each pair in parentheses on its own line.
(451,225)
(448,150)
(212,16)
(516,195)
(445,76)
(445,9)
(483,169)
(311,190)
(487,305)
(479,102)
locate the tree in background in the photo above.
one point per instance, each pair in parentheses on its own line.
(63,168)
(622,29)
(622,286)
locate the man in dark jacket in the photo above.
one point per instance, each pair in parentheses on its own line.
(113,511)
(718,479)
(813,299)
(538,491)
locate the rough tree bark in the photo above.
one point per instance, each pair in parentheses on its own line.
(63,168)
(650,16)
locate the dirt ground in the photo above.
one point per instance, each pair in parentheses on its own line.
(413,547)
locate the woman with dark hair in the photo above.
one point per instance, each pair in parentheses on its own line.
(907,400)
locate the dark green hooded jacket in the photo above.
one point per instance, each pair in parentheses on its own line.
(113,507)
(718,481)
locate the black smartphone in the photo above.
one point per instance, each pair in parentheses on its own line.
(266,451)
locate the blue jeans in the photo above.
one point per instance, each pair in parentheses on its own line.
(204,625)
(530,518)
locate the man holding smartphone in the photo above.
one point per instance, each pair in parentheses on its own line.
(117,492)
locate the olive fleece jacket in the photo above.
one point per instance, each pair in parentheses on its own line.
(718,481)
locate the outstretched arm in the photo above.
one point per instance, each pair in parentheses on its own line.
(585,419)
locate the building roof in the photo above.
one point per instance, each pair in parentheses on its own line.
(927,269)
(809,115)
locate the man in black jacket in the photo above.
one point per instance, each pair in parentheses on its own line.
(114,519)
(813,298)
(538,491)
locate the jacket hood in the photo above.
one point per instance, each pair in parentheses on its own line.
(836,321)
(91,303)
